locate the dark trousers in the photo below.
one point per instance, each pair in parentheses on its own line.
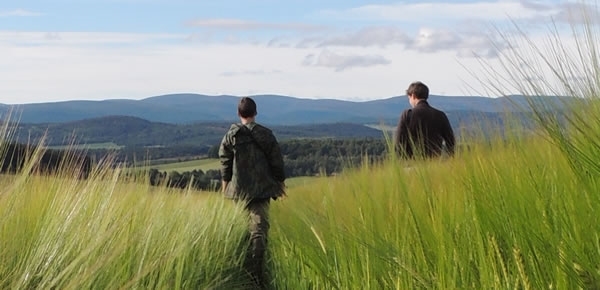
(258,211)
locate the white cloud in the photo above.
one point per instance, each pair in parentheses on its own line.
(431,40)
(19,13)
(369,36)
(59,70)
(471,44)
(249,73)
(341,62)
(85,38)
(461,28)
(577,13)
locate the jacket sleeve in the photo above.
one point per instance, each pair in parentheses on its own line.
(276,159)
(401,139)
(448,136)
(226,158)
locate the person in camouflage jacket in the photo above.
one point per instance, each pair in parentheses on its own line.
(251,163)
(252,172)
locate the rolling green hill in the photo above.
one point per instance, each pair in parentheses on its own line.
(272,109)
(133,131)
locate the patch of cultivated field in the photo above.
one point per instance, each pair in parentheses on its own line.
(183,166)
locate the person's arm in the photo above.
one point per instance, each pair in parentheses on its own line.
(401,140)
(448,136)
(276,160)
(224,185)
(277,166)
(272,150)
(226,158)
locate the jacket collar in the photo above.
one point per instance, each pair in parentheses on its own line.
(422,103)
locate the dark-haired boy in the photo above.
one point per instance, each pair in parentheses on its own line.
(252,172)
(423,131)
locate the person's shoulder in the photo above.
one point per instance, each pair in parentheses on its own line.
(233,129)
(427,106)
(406,112)
(262,129)
(263,134)
(438,111)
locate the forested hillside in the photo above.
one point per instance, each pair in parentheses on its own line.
(302,157)
(126,131)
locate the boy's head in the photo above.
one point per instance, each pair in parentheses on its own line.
(418,90)
(247,108)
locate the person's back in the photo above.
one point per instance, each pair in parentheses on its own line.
(256,169)
(423,131)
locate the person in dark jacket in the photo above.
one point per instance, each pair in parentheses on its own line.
(252,172)
(423,131)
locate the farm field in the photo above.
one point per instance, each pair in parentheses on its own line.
(183,166)
(107,145)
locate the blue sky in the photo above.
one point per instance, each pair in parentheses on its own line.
(59,50)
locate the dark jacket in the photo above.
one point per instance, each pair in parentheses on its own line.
(251,162)
(423,131)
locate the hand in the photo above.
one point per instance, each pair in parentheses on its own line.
(283,187)
(224,185)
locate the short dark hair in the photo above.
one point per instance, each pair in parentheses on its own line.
(247,107)
(419,89)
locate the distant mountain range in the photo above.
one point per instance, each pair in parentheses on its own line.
(200,120)
(136,132)
(272,109)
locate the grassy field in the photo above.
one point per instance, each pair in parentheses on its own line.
(183,166)
(214,164)
(107,145)
(514,211)
(500,216)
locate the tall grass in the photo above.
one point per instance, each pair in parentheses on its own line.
(515,210)
(101,233)
(509,213)
(566,63)
(498,217)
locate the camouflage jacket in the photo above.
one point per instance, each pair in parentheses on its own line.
(251,162)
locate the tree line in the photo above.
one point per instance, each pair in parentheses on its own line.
(302,157)
(17,157)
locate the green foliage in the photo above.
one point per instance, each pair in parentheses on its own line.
(309,157)
(496,216)
(303,157)
(105,234)
(500,216)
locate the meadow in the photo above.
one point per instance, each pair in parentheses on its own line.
(107,145)
(500,216)
(204,164)
(515,210)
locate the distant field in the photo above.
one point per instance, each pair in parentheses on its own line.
(213,163)
(382,127)
(301,181)
(106,145)
(202,164)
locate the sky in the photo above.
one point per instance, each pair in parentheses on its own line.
(57,50)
